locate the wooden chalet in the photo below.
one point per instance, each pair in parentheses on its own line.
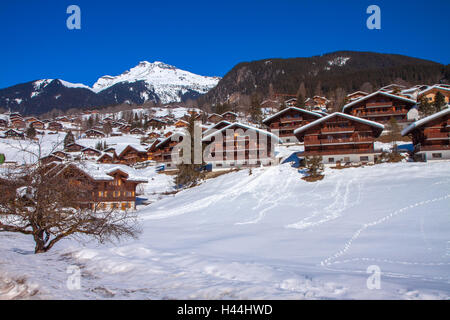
(162,151)
(156,123)
(340,138)
(430,93)
(3,123)
(218,126)
(214,118)
(74,147)
(14,134)
(284,122)
(229,116)
(125,128)
(239,145)
(93,133)
(356,95)
(103,186)
(106,158)
(89,152)
(431,136)
(153,135)
(131,154)
(18,123)
(381,106)
(391,88)
(37,124)
(51,158)
(181,124)
(137,131)
(55,126)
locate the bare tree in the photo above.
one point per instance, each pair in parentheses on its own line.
(52,202)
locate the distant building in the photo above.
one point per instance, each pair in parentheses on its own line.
(431,136)
(380,107)
(284,122)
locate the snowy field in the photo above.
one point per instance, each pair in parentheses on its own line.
(268,235)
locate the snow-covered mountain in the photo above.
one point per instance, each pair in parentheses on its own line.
(168,82)
(157,81)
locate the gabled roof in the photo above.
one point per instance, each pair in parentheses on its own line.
(103,171)
(243,126)
(120,148)
(377,93)
(291,108)
(344,115)
(357,92)
(437,87)
(169,138)
(216,125)
(214,114)
(425,120)
(229,112)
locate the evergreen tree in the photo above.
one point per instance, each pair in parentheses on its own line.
(31,132)
(255,110)
(425,107)
(439,102)
(314,165)
(300,101)
(189,173)
(393,133)
(2,158)
(69,139)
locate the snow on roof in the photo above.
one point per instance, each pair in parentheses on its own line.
(357,92)
(229,112)
(314,123)
(244,126)
(438,87)
(103,171)
(120,148)
(376,93)
(178,134)
(291,108)
(421,122)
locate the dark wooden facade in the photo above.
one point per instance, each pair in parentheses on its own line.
(286,121)
(110,190)
(431,136)
(239,145)
(340,138)
(381,107)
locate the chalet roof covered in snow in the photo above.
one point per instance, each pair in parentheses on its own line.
(377,125)
(104,171)
(288,109)
(245,127)
(437,87)
(425,120)
(387,94)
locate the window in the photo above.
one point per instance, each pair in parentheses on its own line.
(331,160)
(437,155)
(364,158)
(346,159)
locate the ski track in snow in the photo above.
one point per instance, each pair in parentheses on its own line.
(329,261)
(336,208)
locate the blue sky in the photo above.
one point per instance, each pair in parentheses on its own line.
(205,37)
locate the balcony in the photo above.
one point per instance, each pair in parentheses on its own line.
(290,119)
(379,104)
(436,147)
(340,151)
(324,142)
(337,130)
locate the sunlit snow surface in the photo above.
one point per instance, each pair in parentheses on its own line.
(267,235)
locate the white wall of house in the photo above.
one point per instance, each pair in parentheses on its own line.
(435,155)
(349,158)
